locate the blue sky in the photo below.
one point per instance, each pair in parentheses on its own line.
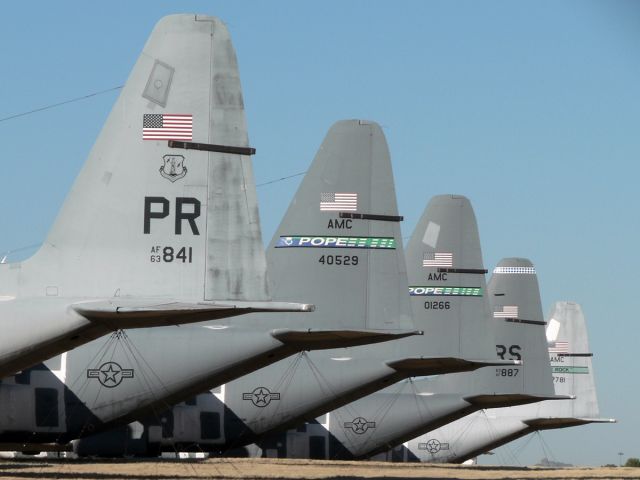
(531,109)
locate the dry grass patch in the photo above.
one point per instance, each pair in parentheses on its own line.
(257,468)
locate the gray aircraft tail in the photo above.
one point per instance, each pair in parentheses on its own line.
(339,245)
(517,311)
(165,205)
(516,317)
(518,324)
(572,367)
(447,283)
(572,374)
(571,364)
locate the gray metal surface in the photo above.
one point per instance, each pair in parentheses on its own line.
(408,409)
(146,223)
(402,412)
(488,429)
(139,372)
(304,386)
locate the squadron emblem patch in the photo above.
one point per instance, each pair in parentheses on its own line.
(173,168)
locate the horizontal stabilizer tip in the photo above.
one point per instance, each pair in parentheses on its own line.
(564,422)
(137,313)
(326,339)
(441,365)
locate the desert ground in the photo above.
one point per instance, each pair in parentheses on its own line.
(231,468)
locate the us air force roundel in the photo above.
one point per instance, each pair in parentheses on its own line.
(261,396)
(110,374)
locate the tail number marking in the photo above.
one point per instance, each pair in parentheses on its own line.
(435,305)
(347,260)
(161,254)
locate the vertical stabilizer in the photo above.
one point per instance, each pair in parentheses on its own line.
(571,361)
(515,300)
(516,319)
(339,245)
(447,280)
(165,205)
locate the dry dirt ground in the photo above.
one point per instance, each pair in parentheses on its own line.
(285,469)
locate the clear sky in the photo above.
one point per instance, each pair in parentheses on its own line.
(531,109)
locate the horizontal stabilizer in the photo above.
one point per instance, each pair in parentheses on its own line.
(511,399)
(316,339)
(439,365)
(564,422)
(138,313)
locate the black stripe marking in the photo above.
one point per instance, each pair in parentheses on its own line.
(574,354)
(528,322)
(208,147)
(370,216)
(463,270)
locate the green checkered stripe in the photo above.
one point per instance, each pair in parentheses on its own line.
(432,291)
(570,370)
(311,241)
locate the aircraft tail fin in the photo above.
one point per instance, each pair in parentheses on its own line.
(341,234)
(447,285)
(518,325)
(515,303)
(165,204)
(571,363)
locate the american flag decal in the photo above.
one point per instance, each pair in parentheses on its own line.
(508,311)
(167,126)
(338,202)
(437,259)
(559,347)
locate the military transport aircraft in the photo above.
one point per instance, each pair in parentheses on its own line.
(311,384)
(403,411)
(161,226)
(571,364)
(131,373)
